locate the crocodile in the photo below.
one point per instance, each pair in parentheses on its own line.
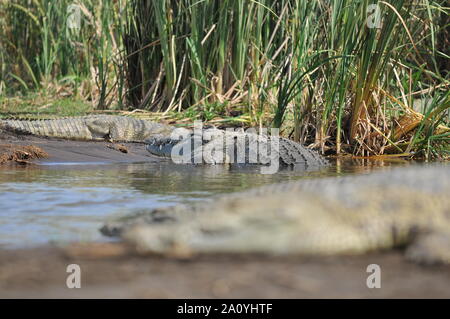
(216,146)
(398,208)
(91,127)
(161,139)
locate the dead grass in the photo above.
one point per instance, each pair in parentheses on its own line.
(20,154)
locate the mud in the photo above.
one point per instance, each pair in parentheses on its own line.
(108,271)
(68,151)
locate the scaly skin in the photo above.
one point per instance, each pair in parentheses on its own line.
(128,129)
(341,215)
(93,127)
(288,153)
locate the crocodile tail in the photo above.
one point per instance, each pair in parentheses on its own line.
(15,126)
(34,127)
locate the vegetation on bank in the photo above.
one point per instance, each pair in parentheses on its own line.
(330,73)
(20,154)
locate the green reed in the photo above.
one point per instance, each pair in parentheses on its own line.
(328,73)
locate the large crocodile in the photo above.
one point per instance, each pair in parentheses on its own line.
(216,146)
(403,207)
(91,127)
(161,138)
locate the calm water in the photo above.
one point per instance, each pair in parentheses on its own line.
(63,203)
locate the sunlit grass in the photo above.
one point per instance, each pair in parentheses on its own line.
(313,68)
(37,106)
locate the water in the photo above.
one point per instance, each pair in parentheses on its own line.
(63,203)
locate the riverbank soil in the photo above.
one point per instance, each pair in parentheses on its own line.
(67,151)
(109,271)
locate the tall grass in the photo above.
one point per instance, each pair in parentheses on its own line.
(40,51)
(328,73)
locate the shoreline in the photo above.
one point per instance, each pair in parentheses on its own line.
(111,270)
(61,151)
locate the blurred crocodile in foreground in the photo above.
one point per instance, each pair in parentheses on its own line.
(160,141)
(402,207)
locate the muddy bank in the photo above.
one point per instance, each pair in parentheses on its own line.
(20,154)
(65,151)
(109,273)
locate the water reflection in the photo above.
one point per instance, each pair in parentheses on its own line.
(70,202)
